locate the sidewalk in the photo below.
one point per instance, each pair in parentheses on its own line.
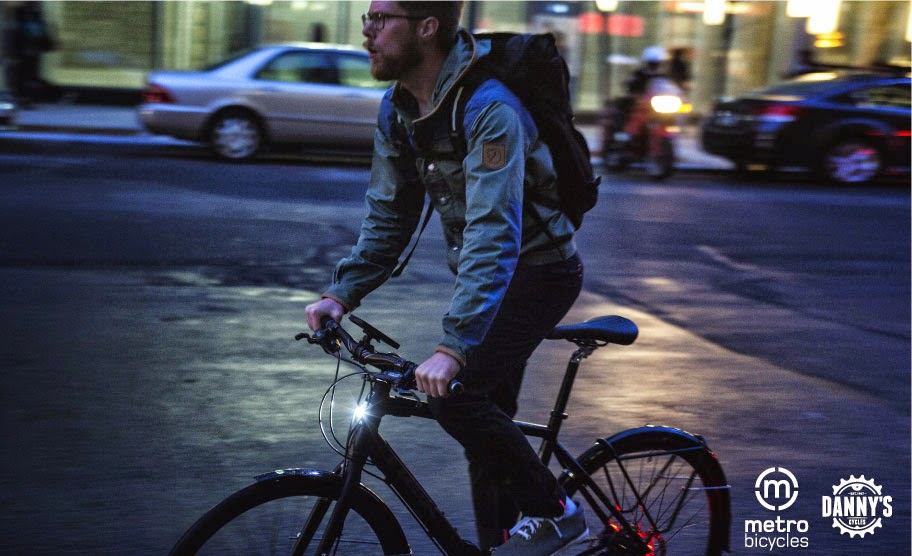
(84,119)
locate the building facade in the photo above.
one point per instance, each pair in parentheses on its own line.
(727,46)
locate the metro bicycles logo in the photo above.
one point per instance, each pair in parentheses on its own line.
(770,490)
(776,489)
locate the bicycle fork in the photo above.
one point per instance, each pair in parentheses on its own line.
(350,469)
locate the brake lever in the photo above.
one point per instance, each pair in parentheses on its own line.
(319,337)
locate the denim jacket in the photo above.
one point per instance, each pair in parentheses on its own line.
(483,199)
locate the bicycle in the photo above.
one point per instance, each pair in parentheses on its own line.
(648,491)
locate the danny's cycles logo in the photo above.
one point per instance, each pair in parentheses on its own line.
(857,506)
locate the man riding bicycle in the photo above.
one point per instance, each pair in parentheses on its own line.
(515,261)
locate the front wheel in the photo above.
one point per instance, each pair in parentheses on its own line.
(285,513)
(667,484)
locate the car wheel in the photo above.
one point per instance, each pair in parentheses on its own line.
(852,161)
(236,135)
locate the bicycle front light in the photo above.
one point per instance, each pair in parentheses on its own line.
(666,104)
(359,412)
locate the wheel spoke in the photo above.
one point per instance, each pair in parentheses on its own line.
(661,493)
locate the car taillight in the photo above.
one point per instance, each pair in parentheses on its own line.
(157,93)
(778,113)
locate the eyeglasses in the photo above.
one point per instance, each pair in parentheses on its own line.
(377,20)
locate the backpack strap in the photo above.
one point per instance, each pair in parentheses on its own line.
(428,211)
(394,129)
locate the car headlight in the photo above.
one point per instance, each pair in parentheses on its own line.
(666,104)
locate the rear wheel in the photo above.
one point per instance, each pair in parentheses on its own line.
(666,483)
(853,161)
(615,160)
(286,515)
(236,135)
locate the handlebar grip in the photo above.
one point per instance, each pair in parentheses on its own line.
(408,381)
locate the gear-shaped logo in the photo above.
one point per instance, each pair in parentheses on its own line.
(857,506)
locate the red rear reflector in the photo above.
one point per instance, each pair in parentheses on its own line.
(906,133)
(157,93)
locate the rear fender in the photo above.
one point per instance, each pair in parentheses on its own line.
(690,446)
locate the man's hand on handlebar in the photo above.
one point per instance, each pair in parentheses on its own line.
(434,375)
(326,307)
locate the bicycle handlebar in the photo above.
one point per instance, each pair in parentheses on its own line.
(393,369)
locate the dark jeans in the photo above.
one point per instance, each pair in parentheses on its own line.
(507,475)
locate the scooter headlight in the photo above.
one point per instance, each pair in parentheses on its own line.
(666,104)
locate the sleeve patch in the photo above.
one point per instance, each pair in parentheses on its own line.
(494,155)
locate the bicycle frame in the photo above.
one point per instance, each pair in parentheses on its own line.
(629,497)
(367,443)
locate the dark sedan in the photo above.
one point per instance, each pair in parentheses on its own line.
(7,109)
(850,127)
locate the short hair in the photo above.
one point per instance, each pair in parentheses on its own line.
(446,13)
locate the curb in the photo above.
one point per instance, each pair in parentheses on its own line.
(73,130)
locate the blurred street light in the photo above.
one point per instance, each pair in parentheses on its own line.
(799,8)
(909,24)
(825,18)
(714,12)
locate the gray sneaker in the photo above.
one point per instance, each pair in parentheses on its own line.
(543,536)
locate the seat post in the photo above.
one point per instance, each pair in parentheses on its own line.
(558,414)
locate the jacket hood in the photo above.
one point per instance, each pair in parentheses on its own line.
(462,57)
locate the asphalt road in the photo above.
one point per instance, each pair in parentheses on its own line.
(150,297)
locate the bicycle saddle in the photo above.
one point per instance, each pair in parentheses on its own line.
(613,329)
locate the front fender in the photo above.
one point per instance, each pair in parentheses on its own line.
(366,502)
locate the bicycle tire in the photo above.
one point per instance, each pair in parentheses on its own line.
(683,507)
(267,517)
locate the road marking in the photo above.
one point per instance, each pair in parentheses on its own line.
(718,257)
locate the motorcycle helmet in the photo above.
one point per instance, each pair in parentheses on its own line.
(654,54)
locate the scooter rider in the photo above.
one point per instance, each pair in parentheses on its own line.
(653,57)
(638,83)
(618,113)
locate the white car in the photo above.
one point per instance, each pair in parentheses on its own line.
(316,95)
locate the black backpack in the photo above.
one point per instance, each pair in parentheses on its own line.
(533,69)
